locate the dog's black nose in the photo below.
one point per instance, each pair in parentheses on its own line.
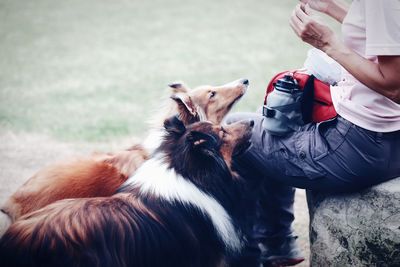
(251,123)
(245,82)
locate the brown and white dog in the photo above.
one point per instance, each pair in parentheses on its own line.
(101,174)
(176,210)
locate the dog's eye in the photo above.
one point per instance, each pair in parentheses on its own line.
(212,94)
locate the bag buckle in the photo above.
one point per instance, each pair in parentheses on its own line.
(267,112)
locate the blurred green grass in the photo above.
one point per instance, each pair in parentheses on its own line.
(95,70)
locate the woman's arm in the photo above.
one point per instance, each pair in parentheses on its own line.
(337,9)
(382,77)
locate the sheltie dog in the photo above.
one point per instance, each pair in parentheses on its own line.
(178,209)
(101,174)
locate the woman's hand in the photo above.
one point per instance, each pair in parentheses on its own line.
(337,9)
(381,77)
(310,30)
(319,5)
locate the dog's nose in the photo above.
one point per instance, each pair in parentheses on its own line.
(245,82)
(251,123)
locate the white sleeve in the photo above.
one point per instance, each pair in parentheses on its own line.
(382,24)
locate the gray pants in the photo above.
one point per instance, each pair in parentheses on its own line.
(332,156)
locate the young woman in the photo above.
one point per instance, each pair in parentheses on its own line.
(357,149)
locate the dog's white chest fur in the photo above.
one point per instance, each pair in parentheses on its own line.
(156,178)
(153,140)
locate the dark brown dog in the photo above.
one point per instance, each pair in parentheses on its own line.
(176,210)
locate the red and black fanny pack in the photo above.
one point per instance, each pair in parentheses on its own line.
(316,103)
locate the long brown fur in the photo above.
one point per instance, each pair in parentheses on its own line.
(99,175)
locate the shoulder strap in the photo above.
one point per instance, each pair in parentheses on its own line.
(307,101)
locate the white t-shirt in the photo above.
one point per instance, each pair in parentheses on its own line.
(371,28)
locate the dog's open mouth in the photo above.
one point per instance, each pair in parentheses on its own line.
(235,101)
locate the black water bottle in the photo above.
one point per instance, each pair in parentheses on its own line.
(283,107)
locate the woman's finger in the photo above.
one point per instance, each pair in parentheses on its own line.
(300,13)
(298,27)
(296,23)
(295,28)
(296,19)
(308,10)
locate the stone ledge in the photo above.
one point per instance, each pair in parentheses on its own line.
(359,229)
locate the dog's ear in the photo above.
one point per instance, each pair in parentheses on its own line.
(203,142)
(179,87)
(174,126)
(186,109)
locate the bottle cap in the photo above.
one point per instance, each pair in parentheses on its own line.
(287,83)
